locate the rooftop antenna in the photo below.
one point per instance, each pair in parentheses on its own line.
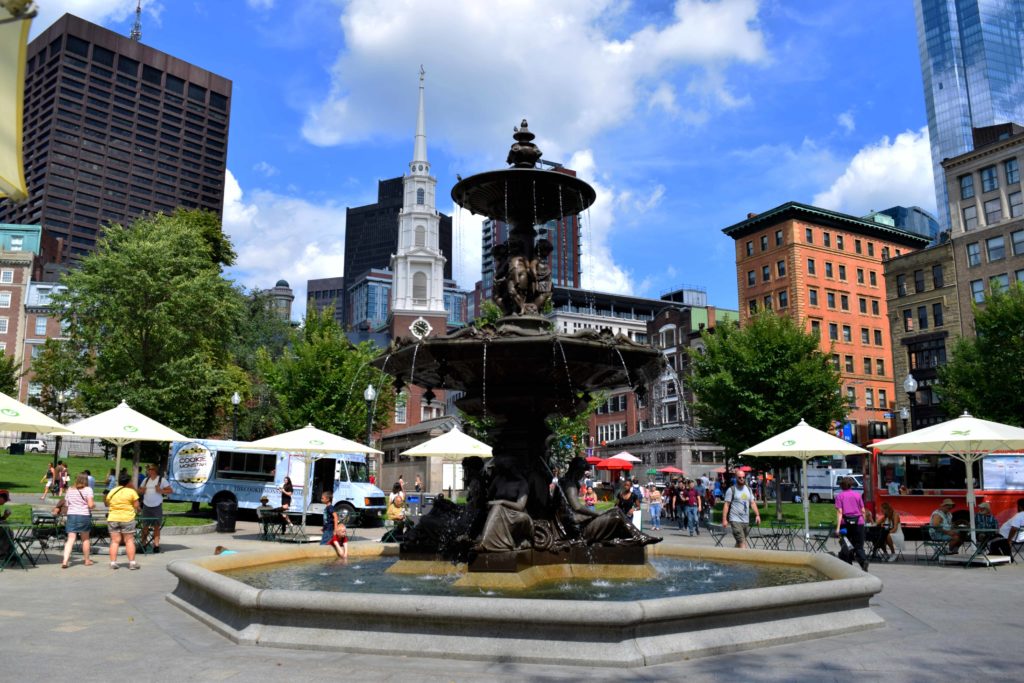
(136,33)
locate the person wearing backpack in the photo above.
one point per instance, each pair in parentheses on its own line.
(736,511)
(850,515)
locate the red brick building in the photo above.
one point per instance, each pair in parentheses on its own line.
(825,268)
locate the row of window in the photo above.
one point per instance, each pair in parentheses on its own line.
(921,324)
(860,246)
(868,336)
(615,404)
(831,271)
(993,209)
(843,300)
(610,432)
(869,397)
(782,297)
(990,178)
(995,248)
(938,281)
(995,283)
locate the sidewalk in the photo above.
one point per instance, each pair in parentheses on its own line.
(942,623)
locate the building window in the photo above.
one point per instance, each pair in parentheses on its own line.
(908,320)
(750,247)
(922,317)
(5,299)
(766,273)
(839,242)
(993,211)
(419,286)
(842,272)
(999,283)
(810,266)
(901,285)
(847,333)
(996,248)
(826,239)
(1012,170)
(816,327)
(768,302)
(1017,239)
(863,303)
(918,281)
(835,361)
(871,248)
(849,363)
(970,217)
(808,236)
(41,321)
(751,278)
(778,238)
(833,331)
(752,307)
(421,236)
(3,325)
(989,179)
(937,315)
(883,402)
(869,398)
(966,186)
(6,277)
(830,298)
(973,254)
(857,246)
(1016,204)
(878,337)
(867,366)
(865,336)
(978,291)
(828,269)
(872,278)
(937,279)
(874,307)
(860,276)
(1020,275)
(764,242)
(812,296)
(420,196)
(780,268)
(885,253)
(851,396)
(401,407)
(783,299)
(844,302)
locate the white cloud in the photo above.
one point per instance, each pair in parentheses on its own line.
(888,173)
(97,11)
(277,237)
(260,4)
(845,120)
(575,82)
(265,168)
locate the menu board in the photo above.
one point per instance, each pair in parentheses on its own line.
(1003,472)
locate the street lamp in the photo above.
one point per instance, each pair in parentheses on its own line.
(910,386)
(61,398)
(904,415)
(235,400)
(370,395)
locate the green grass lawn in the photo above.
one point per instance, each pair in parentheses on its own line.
(792,513)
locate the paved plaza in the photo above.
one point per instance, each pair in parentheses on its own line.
(941,623)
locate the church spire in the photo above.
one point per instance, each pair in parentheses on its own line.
(419,157)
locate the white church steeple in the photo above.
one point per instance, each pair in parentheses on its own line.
(417,289)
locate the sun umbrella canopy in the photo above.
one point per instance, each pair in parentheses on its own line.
(309,439)
(965,438)
(15,416)
(628,457)
(453,445)
(614,464)
(671,470)
(593,459)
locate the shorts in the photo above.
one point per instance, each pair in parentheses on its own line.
(152,513)
(78,524)
(121,527)
(740,531)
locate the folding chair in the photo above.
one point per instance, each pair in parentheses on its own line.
(1017,551)
(270,523)
(10,551)
(718,533)
(145,543)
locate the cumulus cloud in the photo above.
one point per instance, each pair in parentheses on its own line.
(277,237)
(260,4)
(96,11)
(265,168)
(845,120)
(579,80)
(887,173)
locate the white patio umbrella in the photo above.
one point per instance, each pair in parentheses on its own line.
(121,426)
(310,441)
(452,446)
(965,438)
(803,442)
(15,416)
(625,455)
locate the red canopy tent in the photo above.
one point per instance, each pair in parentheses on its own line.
(614,464)
(593,459)
(671,470)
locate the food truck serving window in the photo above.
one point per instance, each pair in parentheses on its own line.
(239,465)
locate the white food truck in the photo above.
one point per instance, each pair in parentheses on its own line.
(823,482)
(214,471)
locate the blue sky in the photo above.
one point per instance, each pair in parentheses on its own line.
(684,114)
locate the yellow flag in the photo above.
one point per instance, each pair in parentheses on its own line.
(13,45)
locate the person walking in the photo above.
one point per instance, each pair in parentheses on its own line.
(850,515)
(47,480)
(78,505)
(154,487)
(694,504)
(122,506)
(656,502)
(739,499)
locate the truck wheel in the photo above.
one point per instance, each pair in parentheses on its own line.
(814,498)
(346,513)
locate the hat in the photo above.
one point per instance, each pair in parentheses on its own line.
(263,499)
(984,506)
(947,501)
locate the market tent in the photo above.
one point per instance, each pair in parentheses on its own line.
(453,446)
(311,442)
(614,464)
(628,457)
(121,426)
(671,470)
(15,416)
(965,438)
(593,459)
(803,442)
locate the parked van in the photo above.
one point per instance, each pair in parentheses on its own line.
(214,471)
(822,482)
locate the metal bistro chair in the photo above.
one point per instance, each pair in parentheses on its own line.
(270,523)
(10,549)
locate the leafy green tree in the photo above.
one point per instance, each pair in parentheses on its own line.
(985,374)
(60,367)
(570,432)
(320,379)
(10,373)
(759,380)
(153,313)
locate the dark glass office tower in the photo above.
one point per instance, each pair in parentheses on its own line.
(115,129)
(972,63)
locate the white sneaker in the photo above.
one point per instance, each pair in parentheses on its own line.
(114,565)
(891,558)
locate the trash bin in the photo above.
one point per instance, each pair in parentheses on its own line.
(16,449)
(227,513)
(787,490)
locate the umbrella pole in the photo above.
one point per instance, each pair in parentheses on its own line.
(970,496)
(117,461)
(305,489)
(807,506)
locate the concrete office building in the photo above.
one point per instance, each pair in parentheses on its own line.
(972,65)
(825,268)
(115,129)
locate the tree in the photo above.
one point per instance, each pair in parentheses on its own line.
(153,315)
(985,374)
(10,373)
(759,380)
(60,367)
(570,432)
(320,379)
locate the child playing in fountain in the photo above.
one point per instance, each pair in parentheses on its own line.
(334,532)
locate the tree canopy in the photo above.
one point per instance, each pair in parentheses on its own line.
(985,373)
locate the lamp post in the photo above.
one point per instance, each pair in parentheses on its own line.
(61,398)
(370,395)
(910,386)
(235,400)
(904,415)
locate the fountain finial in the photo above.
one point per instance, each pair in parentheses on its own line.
(523,154)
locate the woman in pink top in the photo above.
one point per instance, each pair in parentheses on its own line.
(850,514)
(79,503)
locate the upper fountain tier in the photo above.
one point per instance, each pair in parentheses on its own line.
(523,195)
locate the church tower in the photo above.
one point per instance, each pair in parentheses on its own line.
(417,291)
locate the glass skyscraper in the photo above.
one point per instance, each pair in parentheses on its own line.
(972,63)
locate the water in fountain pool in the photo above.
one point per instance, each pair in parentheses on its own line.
(676,577)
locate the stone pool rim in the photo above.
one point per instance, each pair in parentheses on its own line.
(641,632)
